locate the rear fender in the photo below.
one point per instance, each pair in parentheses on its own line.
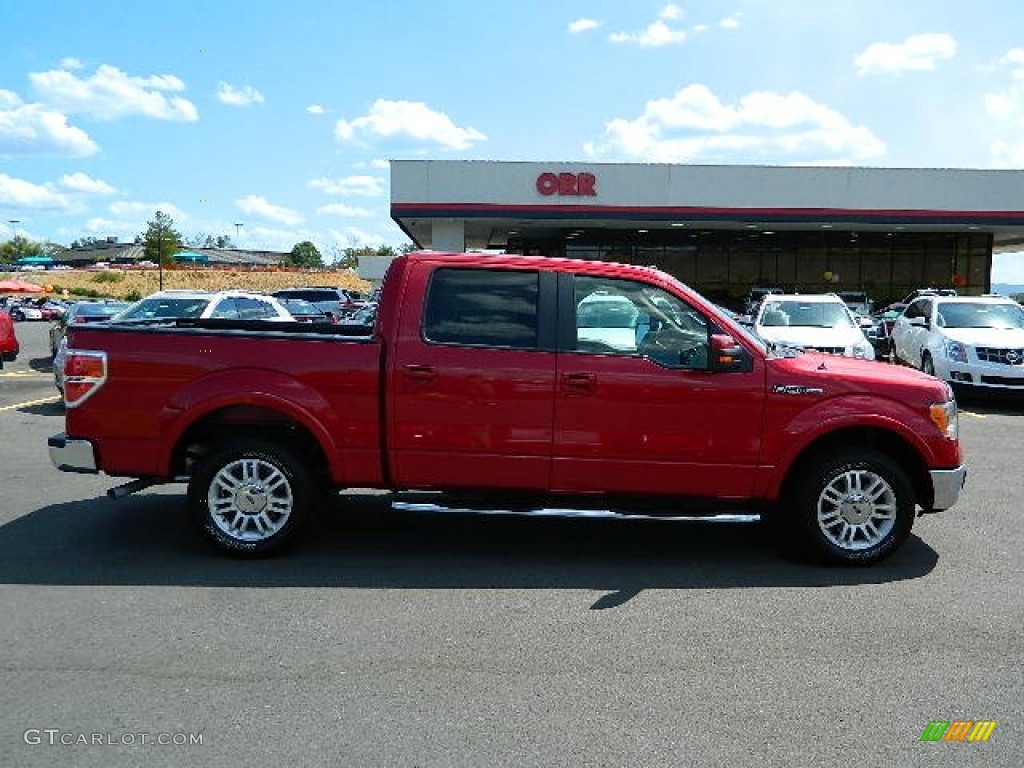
(254,387)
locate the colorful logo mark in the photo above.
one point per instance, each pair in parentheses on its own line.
(958,730)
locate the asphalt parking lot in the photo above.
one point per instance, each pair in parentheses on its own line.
(400,639)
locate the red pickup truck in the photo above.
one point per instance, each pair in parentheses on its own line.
(513,375)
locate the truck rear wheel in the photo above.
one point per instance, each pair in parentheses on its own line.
(250,498)
(853,508)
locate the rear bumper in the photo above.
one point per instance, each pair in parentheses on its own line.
(70,455)
(946,487)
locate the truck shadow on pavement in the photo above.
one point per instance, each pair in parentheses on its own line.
(362,542)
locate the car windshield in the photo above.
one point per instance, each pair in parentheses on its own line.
(99,310)
(980,315)
(155,308)
(810,314)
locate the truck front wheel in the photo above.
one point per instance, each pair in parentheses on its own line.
(853,508)
(250,499)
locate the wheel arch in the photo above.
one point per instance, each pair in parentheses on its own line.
(232,423)
(884,441)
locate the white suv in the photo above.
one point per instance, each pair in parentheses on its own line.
(974,341)
(231,305)
(821,322)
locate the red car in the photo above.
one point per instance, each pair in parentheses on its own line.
(9,347)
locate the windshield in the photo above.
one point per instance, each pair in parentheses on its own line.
(154,308)
(980,315)
(806,314)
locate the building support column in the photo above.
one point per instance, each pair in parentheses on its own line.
(448,235)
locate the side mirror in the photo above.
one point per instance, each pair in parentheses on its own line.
(728,356)
(918,322)
(865,322)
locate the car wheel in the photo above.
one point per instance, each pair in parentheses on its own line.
(851,508)
(250,498)
(927,365)
(17,314)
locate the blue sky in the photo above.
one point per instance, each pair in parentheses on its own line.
(281,117)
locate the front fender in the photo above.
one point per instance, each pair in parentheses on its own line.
(792,437)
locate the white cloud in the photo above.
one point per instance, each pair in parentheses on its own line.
(409,119)
(1005,109)
(144,211)
(315,109)
(731,22)
(695,125)
(356,238)
(356,186)
(916,53)
(80,182)
(256,205)
(238,96)
(582,25)
(340,209)
(670,12)
(34,129)
(110,93)
(658,34)
(24,195)
(70,62)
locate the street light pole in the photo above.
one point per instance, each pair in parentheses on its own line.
(160,255)
(14,225)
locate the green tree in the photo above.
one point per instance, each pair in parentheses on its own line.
(161,240)
(19,246)
(304,254)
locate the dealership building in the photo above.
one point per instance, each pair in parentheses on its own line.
(724,229)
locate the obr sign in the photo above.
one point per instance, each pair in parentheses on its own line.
(567,184)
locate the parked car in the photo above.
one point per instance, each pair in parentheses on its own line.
(365,316)
(306,312)
(228,305)
(22,310)
(340,302)
(476,384)
(975,343)
(812,321)
(9,347)
(83,312)
(859,302)
(755,295)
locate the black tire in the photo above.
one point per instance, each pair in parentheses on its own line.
(17,314)
(251,498)
(831,514)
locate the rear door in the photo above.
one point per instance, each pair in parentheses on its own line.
(648,416)
(471,379)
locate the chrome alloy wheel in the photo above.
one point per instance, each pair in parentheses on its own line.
(250,499)
(857,509)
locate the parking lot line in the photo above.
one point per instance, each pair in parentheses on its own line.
(42,400)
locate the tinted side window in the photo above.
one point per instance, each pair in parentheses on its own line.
(624,317)
(482,307)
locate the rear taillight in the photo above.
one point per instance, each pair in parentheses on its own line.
(84,373)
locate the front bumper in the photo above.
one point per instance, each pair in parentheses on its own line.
(70,455)
(946,487)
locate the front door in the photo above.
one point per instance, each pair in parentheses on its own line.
(637,408)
